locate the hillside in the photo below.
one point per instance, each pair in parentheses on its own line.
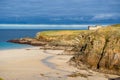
(60,37)
(99,50)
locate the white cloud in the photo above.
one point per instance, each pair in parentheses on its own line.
(68,18)
(105,16)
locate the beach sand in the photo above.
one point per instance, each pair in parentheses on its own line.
(38,64)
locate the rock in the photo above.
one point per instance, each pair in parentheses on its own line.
(38,43)
(30,41)
(99,50)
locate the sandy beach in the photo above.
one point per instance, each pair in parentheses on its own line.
(38,64)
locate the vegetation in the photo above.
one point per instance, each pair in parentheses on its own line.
(78,75)
(116,25)
(96,49)
(99,49)
(1,79)
(62,37)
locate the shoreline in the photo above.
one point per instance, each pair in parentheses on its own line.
(38,64)
(11,46)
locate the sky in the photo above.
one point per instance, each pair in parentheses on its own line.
(59,11)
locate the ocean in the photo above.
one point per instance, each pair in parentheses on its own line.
(8,34)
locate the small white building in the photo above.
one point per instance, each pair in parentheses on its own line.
(94,27)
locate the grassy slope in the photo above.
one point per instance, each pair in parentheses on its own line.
(61,37)
(66,37)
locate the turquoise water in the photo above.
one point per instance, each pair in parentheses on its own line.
(8,34)
(7,45)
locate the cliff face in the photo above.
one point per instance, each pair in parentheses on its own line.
(99,49)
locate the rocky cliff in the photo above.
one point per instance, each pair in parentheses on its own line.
(98,50)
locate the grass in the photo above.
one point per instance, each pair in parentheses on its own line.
(78,75)
(62,37)
(1,79)
(67,37)
(116,25)
(59,33)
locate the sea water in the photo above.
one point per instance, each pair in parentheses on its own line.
(8,34)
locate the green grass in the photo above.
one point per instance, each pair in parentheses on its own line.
(60,32)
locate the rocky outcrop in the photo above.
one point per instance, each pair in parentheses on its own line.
(30,41)
(98,50)
(59,37)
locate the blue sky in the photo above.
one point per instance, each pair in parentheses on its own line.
(59,11)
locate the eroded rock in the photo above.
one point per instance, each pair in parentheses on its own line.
(99,50)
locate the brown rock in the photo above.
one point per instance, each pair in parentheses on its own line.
(30,41)
(99,50)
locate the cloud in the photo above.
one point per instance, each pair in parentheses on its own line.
(67,18)
(45,11)
(106,16)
